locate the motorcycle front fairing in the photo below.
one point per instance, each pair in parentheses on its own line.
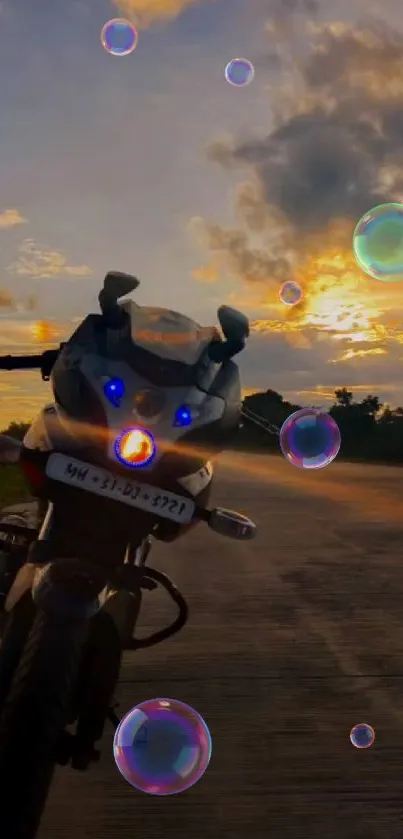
(85,423)
(169,386)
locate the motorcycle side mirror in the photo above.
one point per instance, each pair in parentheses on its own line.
(231,524)
(234,324)
(10,449)
(116,285)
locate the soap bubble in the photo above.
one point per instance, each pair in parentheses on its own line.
(290,293)
(378,242)
(162,746)
(119,37)
(362,735)
(239,72)
(310,438)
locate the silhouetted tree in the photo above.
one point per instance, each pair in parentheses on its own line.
(344,397)
(17,429)
(369,429)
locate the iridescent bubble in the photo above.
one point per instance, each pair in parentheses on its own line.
(362,735)
(162,746)
(290,293)
(378,243)
(310,438)
(119,36)
(239,72)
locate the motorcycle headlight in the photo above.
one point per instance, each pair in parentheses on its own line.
(135,447)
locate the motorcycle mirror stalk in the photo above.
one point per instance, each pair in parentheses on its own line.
(116,285)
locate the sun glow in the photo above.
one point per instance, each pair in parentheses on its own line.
(339,300)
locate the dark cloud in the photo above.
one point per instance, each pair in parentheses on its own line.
(335,148)
(315,168)
(279,366)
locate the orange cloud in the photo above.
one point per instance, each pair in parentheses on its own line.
(11,218)
(146,12)
(351,354)
(206,274)
(23,336)
(41,263)
(327,393)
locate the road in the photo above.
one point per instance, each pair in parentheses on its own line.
(292,640)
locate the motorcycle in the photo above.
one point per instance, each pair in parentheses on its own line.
(144,399)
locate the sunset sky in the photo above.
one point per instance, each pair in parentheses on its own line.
(153,164)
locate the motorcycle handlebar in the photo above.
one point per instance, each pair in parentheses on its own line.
(20,362)
(43,362)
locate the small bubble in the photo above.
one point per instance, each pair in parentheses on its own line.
(310,439)
(119,37)
(290,293)
(378,243)
(239,72)
(362,735)
(162,747)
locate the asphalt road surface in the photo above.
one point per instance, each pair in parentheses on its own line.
(293,639)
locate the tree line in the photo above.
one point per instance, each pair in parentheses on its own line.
(369,429)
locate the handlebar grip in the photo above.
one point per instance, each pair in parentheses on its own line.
(43,362)
(22,362)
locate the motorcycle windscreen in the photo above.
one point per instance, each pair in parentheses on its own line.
(168,334)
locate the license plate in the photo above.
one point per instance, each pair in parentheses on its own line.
(167,505)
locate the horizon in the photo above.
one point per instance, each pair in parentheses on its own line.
(154,164)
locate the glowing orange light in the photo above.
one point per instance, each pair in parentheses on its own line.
(135,447)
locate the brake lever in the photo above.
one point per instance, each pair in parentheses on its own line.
(49,358)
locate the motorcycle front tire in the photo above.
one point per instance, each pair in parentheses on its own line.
(33,716)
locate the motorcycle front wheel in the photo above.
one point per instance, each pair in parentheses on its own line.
(32,718)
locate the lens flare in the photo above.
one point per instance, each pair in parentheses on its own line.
(378,242)
(162,747)
(310,439)
(362,736)
(290,293)
(239,72)
(44,332)
(119,37)
(135,447)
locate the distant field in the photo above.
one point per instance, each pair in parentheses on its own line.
(13,487)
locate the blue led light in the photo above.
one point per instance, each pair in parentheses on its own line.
(114,391)
(183,416)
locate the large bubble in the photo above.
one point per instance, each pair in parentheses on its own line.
(310,438)
(290,293)
(239,72)
(162,746)
(378,243)
(362,735)
(119,37)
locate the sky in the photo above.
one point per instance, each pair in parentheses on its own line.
(153,164)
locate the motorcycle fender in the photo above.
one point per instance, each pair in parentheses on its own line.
(27,579)
(195,484)
(23,582)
